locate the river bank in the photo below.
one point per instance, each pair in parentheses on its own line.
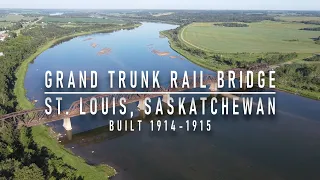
(204,63)
(41,133)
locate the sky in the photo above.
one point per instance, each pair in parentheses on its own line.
(165,4)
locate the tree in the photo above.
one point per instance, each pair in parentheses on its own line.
(29,172)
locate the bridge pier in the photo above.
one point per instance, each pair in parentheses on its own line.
(69,135)
(142,115)
(213,87)
(244,82)
(142,105)
(166,98)
(67,124)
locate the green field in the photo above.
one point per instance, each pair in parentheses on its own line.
(298,18)
(15,18)
(81,20)
(259,37)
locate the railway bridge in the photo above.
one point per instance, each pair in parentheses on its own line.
(38,116)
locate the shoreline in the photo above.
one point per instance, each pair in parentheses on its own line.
(41,134)
(196,61)
(19,90)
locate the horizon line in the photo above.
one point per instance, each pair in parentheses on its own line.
(159,93)
(183,9)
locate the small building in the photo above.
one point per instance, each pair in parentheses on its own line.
(1,54)
(3,37)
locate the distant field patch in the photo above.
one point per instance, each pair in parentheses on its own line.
(163,14)
(16,18)
(298,18)
(80,20)
(259,37)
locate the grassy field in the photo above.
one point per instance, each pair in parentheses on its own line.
(297,18)
(195,59)
(15,18)
(41,133)
(81,20)
(259,37)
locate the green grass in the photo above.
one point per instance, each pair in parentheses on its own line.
(41,133)
(195,59)
(259,37)
(81,20)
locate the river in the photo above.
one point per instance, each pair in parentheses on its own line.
(284,146)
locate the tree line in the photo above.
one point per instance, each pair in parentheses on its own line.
(309,22)
(313,58)
(232,24)
(185,17)
(300,76)
(311,29)
(317,40)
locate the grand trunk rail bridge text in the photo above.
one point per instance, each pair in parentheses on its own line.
(38,116)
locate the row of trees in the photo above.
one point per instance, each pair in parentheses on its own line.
(20,156)
(309,22)
(232,24)
(311,29)
(313,58)
(317,40)
(277,58)
(183,17)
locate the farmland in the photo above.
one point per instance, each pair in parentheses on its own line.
(259,37)
(80,20)
(15,18)
(298,18)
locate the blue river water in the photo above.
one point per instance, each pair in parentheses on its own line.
(281,146)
